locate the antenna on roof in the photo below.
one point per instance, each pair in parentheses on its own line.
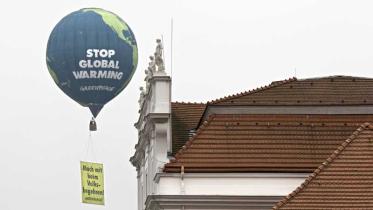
(171,67)
(295,72)
(172,40)
(172,55)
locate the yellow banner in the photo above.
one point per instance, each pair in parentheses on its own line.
(92,182)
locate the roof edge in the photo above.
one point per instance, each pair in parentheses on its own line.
(187,103)
(259,89)
(334,77)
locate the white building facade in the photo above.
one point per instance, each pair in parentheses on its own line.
(245,151)
(158,190)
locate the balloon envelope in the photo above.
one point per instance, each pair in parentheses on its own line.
(92,55)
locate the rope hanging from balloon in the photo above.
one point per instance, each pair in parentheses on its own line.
(90,154)
(90,145)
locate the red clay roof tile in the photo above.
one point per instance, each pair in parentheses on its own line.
(281,143)
(185,116)
(343,181)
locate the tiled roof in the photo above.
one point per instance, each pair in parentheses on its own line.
(185,117)
(263,143)
(334,90)
(343,181)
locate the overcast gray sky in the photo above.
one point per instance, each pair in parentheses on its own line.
(220,48)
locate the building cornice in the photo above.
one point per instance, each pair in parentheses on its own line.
(210,202)
(158,176)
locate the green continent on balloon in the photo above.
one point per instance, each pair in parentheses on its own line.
(118,26)
(113,21)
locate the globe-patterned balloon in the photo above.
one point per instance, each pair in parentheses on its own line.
(92,55)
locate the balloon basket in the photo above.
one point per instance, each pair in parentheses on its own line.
(92,125)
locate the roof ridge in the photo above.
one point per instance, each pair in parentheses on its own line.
(188,103)
(190,141)
(266,87)
(334,76)
(328,161)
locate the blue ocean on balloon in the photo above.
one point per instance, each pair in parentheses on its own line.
(92,55)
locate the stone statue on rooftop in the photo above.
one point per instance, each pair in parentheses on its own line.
(142,96)
(159,56)
(159,48)
(152,65)
(149,75)
(156,64)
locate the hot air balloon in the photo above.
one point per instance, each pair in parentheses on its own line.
(91,56)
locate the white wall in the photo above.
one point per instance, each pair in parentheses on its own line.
(154,130)
(258,184)
(155,143)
